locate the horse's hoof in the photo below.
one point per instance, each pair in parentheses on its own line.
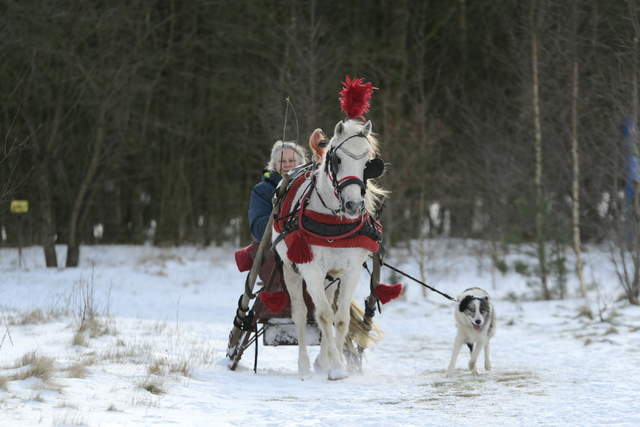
(303,367)
(320,367)
(337,374)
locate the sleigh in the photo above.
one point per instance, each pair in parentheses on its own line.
(325,222)
(277,329)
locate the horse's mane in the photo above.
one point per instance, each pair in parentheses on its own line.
(375,194)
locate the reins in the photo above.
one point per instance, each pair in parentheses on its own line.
(450,298)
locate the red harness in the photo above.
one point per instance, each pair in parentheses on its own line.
(310,238)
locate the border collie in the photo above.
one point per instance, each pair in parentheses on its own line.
(476,323)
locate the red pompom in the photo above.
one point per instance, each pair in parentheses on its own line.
(243,259)
(298,250)
(355,96)
(386,293)
(275,302)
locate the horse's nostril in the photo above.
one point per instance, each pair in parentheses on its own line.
(351,206)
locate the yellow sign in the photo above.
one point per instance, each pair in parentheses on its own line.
(19,206)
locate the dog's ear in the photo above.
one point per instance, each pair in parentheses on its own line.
(464,304)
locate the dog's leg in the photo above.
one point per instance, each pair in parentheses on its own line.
(487,357)
(473,367)
(456,350)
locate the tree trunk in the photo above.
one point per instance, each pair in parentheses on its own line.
(47,229)
(73,248)
(422,258)
(137,207)
(540,216)
(576,157)
(42,161)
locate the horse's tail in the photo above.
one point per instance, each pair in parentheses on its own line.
(360,333)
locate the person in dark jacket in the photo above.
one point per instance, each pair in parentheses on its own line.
(284,157)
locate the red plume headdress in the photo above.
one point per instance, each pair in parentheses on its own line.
(355,96)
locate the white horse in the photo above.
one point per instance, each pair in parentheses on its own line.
(339,191)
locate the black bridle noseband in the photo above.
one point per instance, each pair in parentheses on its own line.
(373,169)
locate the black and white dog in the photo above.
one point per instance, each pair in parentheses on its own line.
(476,323)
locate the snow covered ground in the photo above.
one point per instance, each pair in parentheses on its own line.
(156,355)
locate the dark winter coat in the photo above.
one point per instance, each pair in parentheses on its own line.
(260,206)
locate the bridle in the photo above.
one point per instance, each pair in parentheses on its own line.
(373,169)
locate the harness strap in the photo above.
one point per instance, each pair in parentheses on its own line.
(296,218)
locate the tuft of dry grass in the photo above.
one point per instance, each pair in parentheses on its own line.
(157,368)
(182,367)
(69,420)
(26,359)
(160,367)
(4,383)
(97,328)
(67,405)
(37,398)
(39,366)
(77,370)
(80,339)
(153,386)
(113,408)
(611,330)
(35,317)
(585,311)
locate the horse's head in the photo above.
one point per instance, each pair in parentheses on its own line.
(350,161)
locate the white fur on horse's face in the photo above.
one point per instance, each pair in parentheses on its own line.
(352,194)
(366,129)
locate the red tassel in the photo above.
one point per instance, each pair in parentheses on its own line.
(386,293)
(243,259)
(274,302)
(299,250)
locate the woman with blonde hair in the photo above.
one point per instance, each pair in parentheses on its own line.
(284,157)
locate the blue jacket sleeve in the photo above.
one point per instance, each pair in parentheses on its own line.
(259,210)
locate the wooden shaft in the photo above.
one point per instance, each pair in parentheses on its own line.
(234,335)
(371,300)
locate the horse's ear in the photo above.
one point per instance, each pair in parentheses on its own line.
(339,130)
(366,129)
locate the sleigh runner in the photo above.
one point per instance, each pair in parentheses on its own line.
(325,223)
(277,329)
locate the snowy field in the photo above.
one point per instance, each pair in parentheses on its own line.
(156,354)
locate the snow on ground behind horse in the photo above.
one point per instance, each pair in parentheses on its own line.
(170,312)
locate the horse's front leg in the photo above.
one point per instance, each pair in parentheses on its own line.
(299,315)
(329,355)
(321,363)
(348,284)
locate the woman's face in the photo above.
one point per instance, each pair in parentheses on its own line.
(286,160)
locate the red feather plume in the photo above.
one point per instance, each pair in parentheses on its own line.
(355,96)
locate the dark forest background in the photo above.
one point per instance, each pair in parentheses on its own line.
(155,118)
